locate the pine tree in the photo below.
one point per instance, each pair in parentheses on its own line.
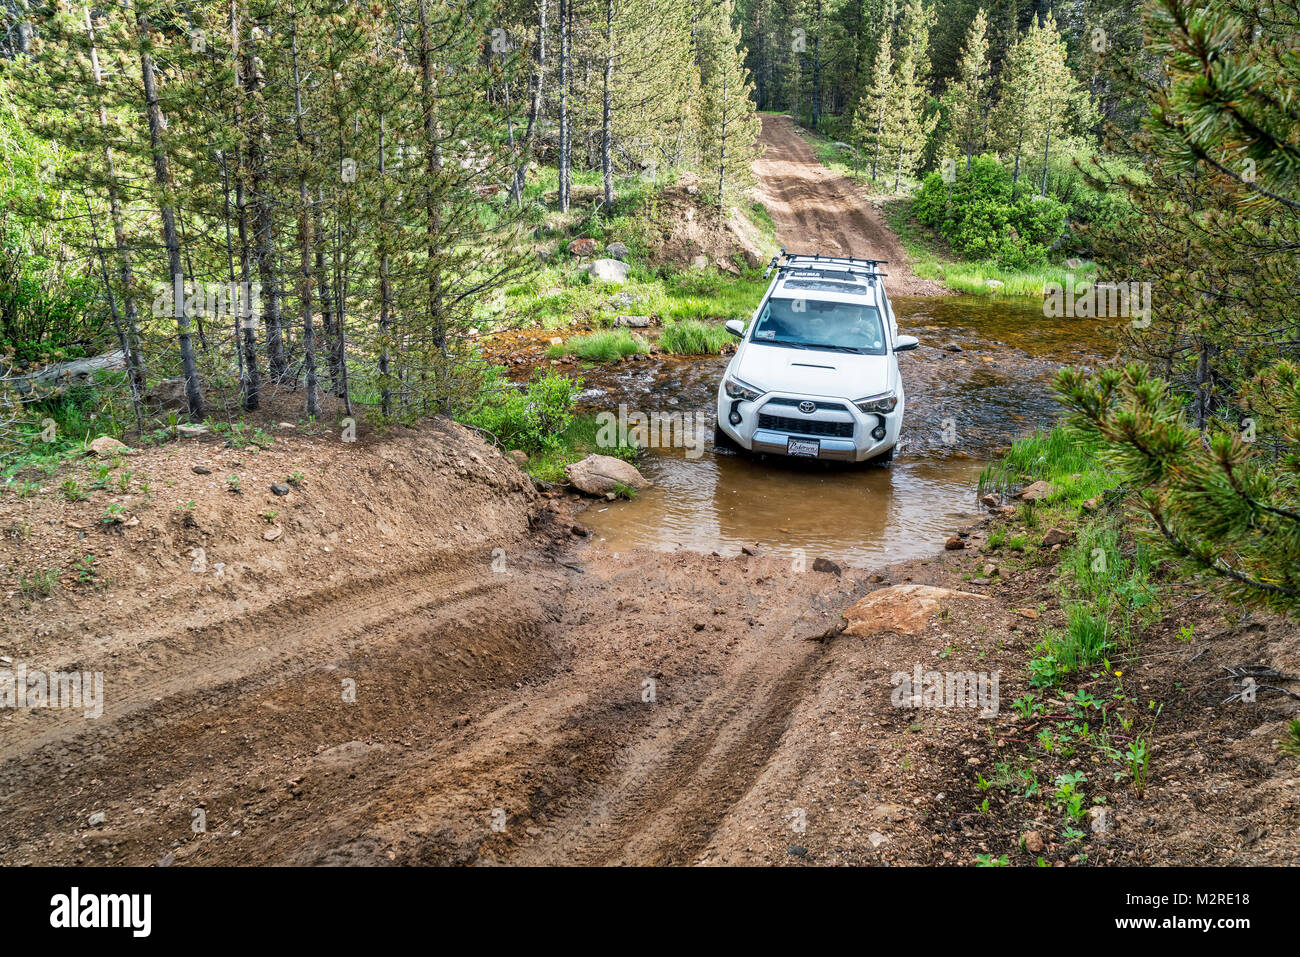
(729,122)
(908,124)
(876,104)
(966,100)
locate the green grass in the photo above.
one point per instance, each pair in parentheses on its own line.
(1055,456)
(690,337)
(603,346)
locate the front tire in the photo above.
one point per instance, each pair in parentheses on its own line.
(884,458)
(722,442)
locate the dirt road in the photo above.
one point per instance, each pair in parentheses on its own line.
(817,210)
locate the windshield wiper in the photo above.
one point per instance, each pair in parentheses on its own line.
(820,345)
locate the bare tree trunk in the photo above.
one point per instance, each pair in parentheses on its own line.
(130,338)
(304,241)
(264,231)
(385,281)
(162,178)
(607,110)
(252,380)
(433,217)
(534,107)
(566,11)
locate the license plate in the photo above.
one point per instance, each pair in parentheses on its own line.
(810,448)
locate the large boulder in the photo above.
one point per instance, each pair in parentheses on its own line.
(616,250)
(582,247)
(900,609)
(608,270)
(601,474)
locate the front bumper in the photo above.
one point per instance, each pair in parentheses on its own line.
(842,430)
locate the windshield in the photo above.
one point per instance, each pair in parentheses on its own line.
(807,323)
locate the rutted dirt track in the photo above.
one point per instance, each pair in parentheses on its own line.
(817,210)
(611,713)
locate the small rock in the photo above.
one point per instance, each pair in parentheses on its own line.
(279,489)
(794,850)
(1055,536)
(990,501)
(191,430)
(202,470)
(633,322)
(1038,490)
(96,819)
(271,534)
(1033,842)
(753,551)
(876,838)
(700,262)
(1030,613)
(954,543)
(579,531)
(107,445)
(990,569)
(518,456)
(616,250)
(979,581)
(953,347)
(828,566)
(1093,504)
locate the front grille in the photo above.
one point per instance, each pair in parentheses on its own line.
(779,423)
(824,406)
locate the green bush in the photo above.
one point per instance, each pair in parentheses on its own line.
(531,419)
(984,219)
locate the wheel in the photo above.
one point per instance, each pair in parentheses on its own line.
(722,442)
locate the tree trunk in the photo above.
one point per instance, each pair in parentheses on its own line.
(304,240)
(534,107)
(264,232)
(162,178)
(565,23)
(130,337)
(607,110)
(244,326)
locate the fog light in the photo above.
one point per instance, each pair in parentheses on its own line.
(734,418)
(878,433)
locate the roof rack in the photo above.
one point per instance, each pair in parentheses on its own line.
(787,260)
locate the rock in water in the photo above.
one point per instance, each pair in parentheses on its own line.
(900,609)
(603,474)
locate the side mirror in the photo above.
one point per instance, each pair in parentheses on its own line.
(736,328)
(906,343)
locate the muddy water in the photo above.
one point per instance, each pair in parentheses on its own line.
(961,406)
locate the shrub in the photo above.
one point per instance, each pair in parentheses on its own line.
(984,219)
(608,346)
(532,418)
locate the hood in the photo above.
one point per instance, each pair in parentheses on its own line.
(841,375)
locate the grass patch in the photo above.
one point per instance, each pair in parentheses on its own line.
(1056,456)
(690,337)
(603,346)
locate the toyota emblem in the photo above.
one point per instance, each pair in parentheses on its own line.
(807,408)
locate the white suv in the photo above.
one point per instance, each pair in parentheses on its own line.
(816,373)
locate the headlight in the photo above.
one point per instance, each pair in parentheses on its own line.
(740,390)
(878,403)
